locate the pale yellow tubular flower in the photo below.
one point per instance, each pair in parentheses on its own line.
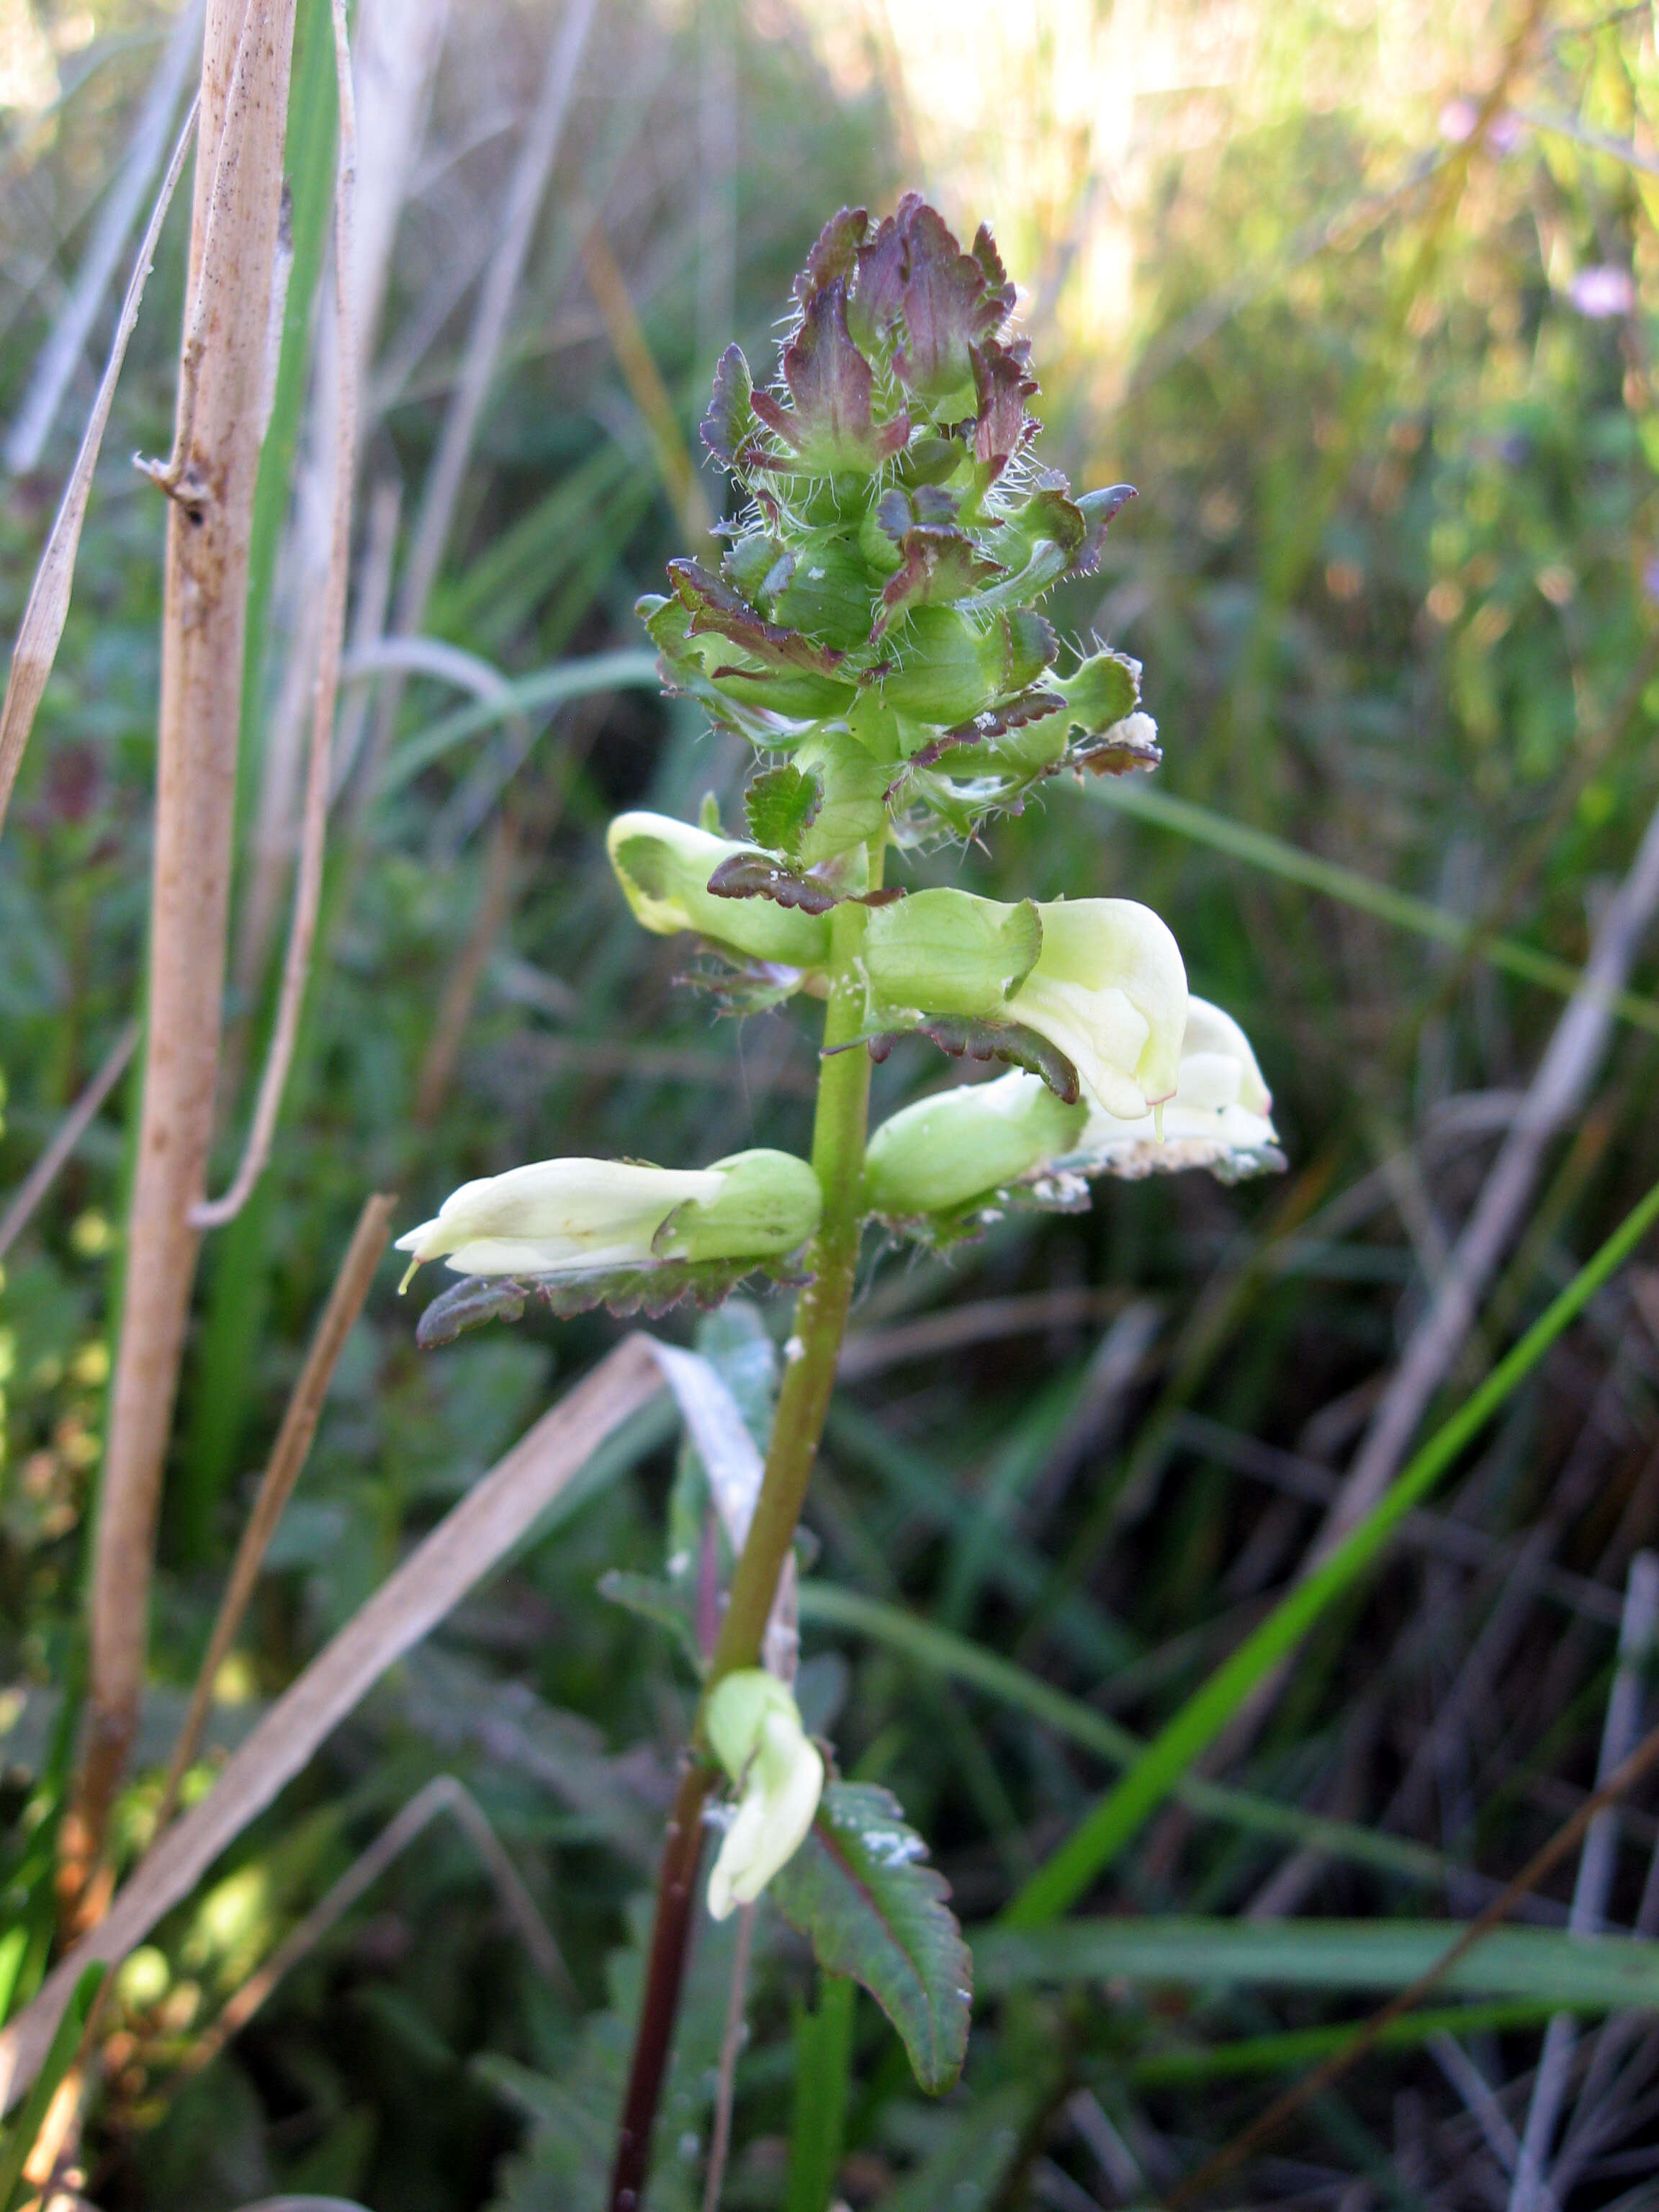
(587,1216)
(1109,991)
(664,866)
(556,1214)
(1220,1117)
(755,1728)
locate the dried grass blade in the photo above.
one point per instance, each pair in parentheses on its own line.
(59,357)
(282,1471)
(211,477)
(47,611)
(73,1127)
(443,1793)
(464,1547)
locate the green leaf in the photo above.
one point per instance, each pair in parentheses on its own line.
(859,1888)
(1105,688)
(1545,1965)
(652,1290)
(780,805)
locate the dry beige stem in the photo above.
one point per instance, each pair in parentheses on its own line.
(54,580)
(308,891)
(287,1458)
(246,53)
(490,1520)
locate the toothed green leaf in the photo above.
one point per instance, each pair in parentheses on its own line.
(781,803)
(860,1888)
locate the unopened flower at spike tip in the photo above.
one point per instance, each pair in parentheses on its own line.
(1100,980)
(585,1217)
(755,1728)
(878,606)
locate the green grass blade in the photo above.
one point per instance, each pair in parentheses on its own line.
(823,2057)
(1545,1965)
(1259,849)
(945,1653)
(1305,2046)
(60,2056)
(313,122)
(1095,1842)
(547,687)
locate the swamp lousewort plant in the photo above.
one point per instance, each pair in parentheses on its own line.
(874,631)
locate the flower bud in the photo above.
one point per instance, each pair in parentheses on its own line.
(944,1152)
(1100,978)
(589,1216)
(664,866)
(755,1728)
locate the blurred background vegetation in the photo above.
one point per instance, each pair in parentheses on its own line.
(1380,366)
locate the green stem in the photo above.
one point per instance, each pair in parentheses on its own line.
(814,1350)
(838,1135)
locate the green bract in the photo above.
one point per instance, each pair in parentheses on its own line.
(875,614)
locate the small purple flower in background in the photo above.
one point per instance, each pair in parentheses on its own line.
(1459,117)
(1650,578)
(1601,292)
